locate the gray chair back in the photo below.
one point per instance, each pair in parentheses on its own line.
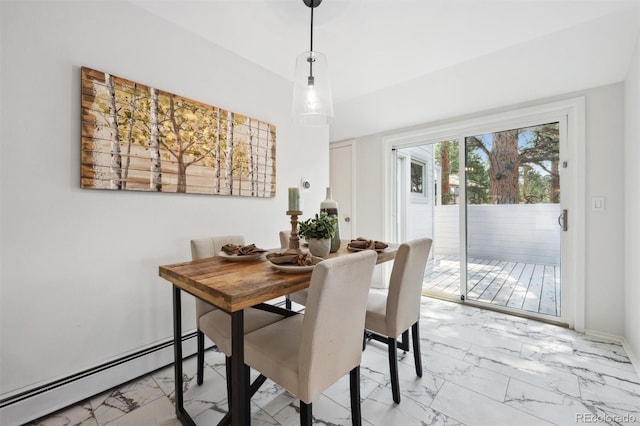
(333,325)
(405,285)
(284,239)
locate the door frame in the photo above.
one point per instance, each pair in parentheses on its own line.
(400,209)
(570,111)
(352,146)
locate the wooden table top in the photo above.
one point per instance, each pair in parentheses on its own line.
(234,286)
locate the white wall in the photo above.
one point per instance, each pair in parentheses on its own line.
(632,204)
(604,304)
(79,268)
(419,220)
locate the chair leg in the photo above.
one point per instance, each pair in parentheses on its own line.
(200,350)
(404,344)
(393,367)
(417,357)
(287,303)
(305,414)
(354,388)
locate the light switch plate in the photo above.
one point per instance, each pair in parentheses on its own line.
(597,204)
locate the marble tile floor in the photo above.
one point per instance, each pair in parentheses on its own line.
(480,368)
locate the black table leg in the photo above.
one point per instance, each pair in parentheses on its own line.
(181,413)
(240,407)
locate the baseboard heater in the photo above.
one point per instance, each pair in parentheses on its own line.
(25,406)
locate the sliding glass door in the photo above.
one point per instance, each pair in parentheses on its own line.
(491,202)
(428,205)
(514,218)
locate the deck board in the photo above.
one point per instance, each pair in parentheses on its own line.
(502,297)
(548,296)
(532,298)
(527,286)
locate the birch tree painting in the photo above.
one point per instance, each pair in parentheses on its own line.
(139,138)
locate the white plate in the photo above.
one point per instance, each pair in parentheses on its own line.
(363,249)
(292,269)
(242,258)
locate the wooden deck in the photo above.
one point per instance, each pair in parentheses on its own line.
(526,286)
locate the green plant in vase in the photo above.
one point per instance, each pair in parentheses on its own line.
(318,231)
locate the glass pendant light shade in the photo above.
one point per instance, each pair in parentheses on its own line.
(312,102)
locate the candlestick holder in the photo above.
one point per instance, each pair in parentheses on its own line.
(294,240)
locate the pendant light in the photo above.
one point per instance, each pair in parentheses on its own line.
(312,103)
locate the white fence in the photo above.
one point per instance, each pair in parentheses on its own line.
(515,232)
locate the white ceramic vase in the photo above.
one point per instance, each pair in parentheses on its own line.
(330,207)
(319,248)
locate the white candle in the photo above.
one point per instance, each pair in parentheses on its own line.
(294,199)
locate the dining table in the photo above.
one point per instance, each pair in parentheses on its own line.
(234,286)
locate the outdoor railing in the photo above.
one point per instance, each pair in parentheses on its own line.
(514,232)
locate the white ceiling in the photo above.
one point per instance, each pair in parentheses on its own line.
(374,45)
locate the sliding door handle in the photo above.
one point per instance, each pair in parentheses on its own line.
(563,220)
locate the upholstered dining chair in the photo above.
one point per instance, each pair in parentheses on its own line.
(284,239)
(215,323)
(391,313)
(324,344)
(300,296)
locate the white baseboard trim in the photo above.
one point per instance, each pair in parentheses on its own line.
(635,361)
(26,406)
(605,336)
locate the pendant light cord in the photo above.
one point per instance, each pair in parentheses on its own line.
(311,48)
(311,59)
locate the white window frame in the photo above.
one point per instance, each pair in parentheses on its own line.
(423,164)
